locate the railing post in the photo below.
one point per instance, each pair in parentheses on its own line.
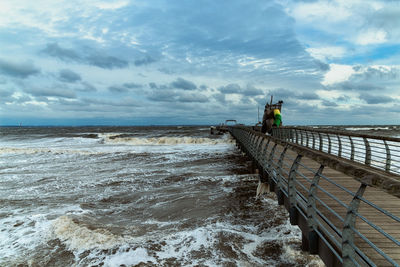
(388,157)
(293,213)
(348,251)
(306,138)
(297,136)
(279,183)
(352,148)
(320,142)
(329,143)
(340,146)
(367,152)
(301,137)
(312,214)
(313,140)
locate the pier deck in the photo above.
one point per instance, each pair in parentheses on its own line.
(348,213)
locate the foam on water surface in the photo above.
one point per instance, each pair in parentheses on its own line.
(130,196)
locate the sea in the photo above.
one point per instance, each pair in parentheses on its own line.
(137,196)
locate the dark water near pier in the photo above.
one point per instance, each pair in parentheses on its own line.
(126,196)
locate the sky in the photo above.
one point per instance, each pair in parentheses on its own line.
(170,62)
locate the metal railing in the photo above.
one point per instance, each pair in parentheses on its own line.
(339,215)
(375,151)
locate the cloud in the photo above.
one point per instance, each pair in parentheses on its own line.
(56,91)
(5,93)
(17,69)
(69,76)
(183,84)
(55,50)
(170,95)
(252,91)
(369,78)
(329,103)
(376,99)
(132,85)
(94,58)
(232,88)
(308,96)
(118,89)
(106,62)
(125,87)
(338,73)
(86,87)
(144,61)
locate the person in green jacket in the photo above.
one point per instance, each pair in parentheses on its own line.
(277,118)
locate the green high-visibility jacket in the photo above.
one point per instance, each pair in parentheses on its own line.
(277,120)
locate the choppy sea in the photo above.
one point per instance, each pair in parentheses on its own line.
(136,196)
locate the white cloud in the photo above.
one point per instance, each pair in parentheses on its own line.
(337,73)
(332,11)
(113,5)
(327,52)
(372,36)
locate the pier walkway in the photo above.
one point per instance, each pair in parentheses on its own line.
(341,189)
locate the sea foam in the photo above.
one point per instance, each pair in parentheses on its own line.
(79,237)
(138,141)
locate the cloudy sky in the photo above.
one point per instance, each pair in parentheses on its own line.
(130,62)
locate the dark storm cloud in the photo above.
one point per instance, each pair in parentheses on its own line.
(19,70)
(376,99)
(67,75)
(183,84)
(94,58)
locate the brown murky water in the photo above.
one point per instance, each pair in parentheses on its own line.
(135,196)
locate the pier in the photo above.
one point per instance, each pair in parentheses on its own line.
(341,189)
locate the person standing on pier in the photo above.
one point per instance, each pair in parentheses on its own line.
(277,118)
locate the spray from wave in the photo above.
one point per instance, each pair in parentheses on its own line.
(140,141)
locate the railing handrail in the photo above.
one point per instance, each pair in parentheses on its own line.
(342,132)
(263,150)
(378,152)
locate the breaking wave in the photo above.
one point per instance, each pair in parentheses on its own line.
(17,150)
(138,141)
(80,237)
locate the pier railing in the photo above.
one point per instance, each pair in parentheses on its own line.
(375,151)
(348,222)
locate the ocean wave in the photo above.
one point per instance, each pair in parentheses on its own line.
(164,140)
(80,237)
(18,150)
